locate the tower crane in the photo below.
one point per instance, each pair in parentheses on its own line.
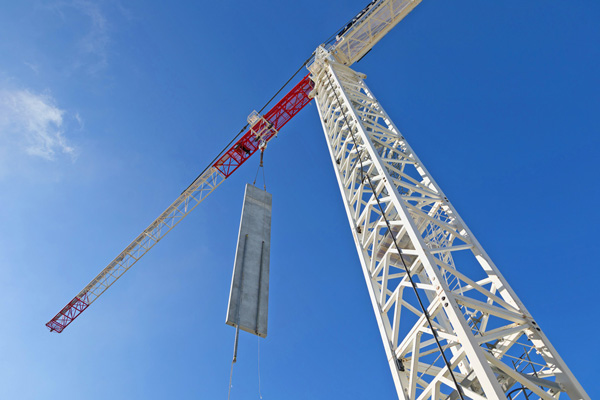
(451,325)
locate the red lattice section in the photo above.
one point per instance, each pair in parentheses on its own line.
(68,314)
(273,121)
(263,130)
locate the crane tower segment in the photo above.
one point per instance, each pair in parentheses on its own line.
(410,239)
(451,325)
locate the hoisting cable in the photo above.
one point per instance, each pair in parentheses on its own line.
(246,126)
(389,230)
(270,100)
(230,378)
(237,324)
(258,364)
(262,146)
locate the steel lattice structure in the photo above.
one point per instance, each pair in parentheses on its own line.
(492,342)
(451,325)
(262,130)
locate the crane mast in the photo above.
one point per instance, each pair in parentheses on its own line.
(445,313)
(451,325)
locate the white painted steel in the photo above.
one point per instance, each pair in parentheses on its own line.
(185,203)
(358,40)
(492,342)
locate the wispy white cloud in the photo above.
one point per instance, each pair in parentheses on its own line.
(92,44)
(95,42)
(79,120)
(34,124)
(33,67)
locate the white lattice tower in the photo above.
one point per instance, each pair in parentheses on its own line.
(494,347)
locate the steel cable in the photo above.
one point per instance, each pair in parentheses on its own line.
(329,39)
(246,126)
(389,230)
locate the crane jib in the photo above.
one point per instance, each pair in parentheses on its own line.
(272,122)
(356,41)
(67,314)
(262,131)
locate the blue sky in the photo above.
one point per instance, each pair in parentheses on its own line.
(109,109)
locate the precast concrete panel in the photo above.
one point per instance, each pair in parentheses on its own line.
(249,294)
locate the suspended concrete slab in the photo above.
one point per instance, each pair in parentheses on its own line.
(249,294)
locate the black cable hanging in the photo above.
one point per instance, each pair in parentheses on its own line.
(246,126)
(328,41)
(389,230)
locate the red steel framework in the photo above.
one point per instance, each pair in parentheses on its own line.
(231,160)
(273,121)
(68,314)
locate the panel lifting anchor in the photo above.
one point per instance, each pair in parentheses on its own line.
(262,146)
